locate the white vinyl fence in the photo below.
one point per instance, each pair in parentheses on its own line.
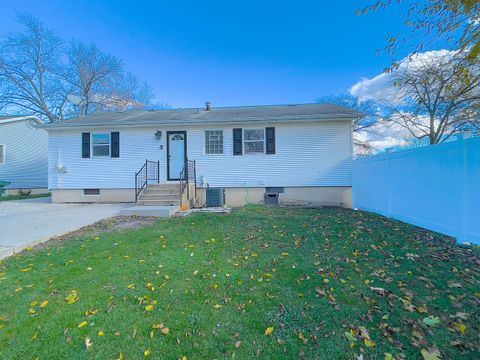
(436,187)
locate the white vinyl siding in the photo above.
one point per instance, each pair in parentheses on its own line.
(307,154)
(2,154)
(213,142)
(25,155)
(100,144)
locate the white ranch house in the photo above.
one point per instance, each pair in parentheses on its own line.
(303,152)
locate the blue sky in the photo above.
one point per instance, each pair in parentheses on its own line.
(229,52)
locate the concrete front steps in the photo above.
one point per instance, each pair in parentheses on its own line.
(160,195)
(160,200)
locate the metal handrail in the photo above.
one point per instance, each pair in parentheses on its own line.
(142,176)
(188,173)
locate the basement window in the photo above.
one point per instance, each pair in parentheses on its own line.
(91,192)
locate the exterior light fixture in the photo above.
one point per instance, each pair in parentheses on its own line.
(158,135)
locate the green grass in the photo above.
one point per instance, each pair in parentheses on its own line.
(312,275)
(22,197)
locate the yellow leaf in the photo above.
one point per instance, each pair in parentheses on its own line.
(149,308)
(35,336)
(26,269)
(195,273)
(184,358)
(146,353)
(31,311)
(217,306)
(82,324)
(165,331)
(44,304)
(101,333)
(34,303)
(131,286)
(285,254)
(461,327)
(389,356)
(369,343)
(326,281)
(269,331)
(18,289)
(97,237)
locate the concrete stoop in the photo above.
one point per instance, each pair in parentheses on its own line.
(150,210)
(160,195)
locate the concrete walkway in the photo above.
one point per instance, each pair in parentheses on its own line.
(26,223)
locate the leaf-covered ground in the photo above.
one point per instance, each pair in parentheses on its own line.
(260,282)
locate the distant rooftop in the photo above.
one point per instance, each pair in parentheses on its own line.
(11,118)
(198,116)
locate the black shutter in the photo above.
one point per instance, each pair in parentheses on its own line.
(115,144)
(270,132)
(237,141)
(85,145)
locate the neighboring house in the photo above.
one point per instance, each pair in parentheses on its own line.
(23,154)
(303,152)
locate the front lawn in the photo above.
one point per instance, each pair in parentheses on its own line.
(22,197)
(260,282)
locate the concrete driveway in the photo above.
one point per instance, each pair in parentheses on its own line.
(25,223)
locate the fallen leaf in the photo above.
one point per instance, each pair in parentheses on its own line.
(44,304)
(165,331)
(146,353)
(431,354)
(269,331)
(460,327)
(82,324)
(101,333)
(149,308)
(369,343)
(88,343)
(431,321)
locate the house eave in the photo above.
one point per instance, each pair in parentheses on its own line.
(180,122)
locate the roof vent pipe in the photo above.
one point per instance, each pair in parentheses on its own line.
(208,106)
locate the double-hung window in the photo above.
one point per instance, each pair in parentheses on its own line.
(213,142)
(2,154)
(254,141)
(101,144)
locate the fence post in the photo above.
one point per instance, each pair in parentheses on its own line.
(463,148)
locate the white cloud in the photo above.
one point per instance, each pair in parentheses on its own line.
(382,87)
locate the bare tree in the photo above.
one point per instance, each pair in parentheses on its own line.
(29,65)
(433,97)
(38,72)
(99,78)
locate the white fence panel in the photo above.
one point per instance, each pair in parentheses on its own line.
(436,187)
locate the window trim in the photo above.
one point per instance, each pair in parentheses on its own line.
(244,141)
(3,160)
(205,142)
(109,145)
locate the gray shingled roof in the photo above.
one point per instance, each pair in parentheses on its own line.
(217,115)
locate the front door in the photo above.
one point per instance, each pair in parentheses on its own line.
(176,153)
